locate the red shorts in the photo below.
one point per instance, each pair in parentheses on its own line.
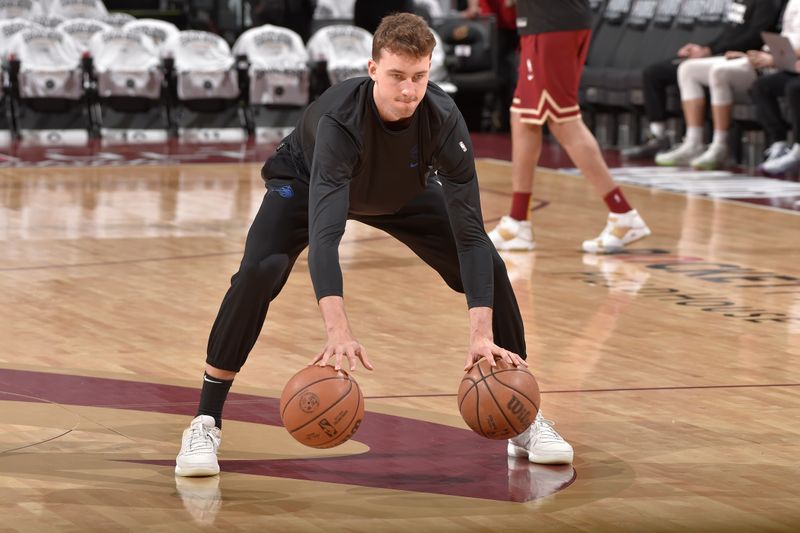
(550,67)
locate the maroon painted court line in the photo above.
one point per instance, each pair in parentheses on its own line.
(404,453)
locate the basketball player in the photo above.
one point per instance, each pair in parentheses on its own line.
(392,151)
(554,41)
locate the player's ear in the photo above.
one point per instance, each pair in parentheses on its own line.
(372,69)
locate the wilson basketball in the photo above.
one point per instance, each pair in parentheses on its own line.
(498,402)
(321,407)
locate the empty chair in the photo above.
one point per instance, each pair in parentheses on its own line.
(70,9)
(8,28)
(278,61)
(206,86)
(470,47)
(278,77)
(204,66)
(117,20)
(159,31)
(344,49)
(81,30)
(129,87)
(52,107)
(19,9)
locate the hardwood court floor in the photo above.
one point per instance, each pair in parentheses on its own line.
(672,369)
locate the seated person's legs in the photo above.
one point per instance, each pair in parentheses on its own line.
(726,80)
(655,80)
(693,77)
(787,160)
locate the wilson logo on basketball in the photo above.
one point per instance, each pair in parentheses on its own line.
(309,402)
(518,409)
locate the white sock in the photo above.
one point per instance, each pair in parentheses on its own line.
(795,151)
(694,135)
(658,129)
(720,137)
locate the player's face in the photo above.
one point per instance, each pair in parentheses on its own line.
(400,84)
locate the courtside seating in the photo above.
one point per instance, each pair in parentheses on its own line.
(278,65)
(51,106)
(70,9)
(207,105)
(19,9)
(470,48)
(343,49)
(632,35)
(158,30)
(82,30)
(8,27)
(129,87)
(278,79)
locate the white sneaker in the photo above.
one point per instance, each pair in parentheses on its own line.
(621,230)
(715,157)
(541,444)
(784,164)
(680,156)
(198,455)
(201,497)
(512,235)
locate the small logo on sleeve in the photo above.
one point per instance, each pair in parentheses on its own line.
(463,146)
(284,191)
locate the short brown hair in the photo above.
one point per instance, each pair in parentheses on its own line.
(404,34)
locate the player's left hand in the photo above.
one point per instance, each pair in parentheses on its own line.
(484,348)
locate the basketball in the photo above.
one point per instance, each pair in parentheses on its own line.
(321,407)
(498,402)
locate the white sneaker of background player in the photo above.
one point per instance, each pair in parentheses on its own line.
(621,230)
(198,455)
(512,235)
(541,444)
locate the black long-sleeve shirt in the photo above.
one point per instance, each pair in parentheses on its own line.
(744,22)
(356,165)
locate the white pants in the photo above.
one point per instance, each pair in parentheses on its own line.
(724,78)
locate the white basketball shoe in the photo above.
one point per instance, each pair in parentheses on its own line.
(512,235)
(541,444)
(198,455)
(621,230)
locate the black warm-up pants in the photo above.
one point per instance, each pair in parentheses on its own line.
(655,80)
(279,234)
(766,92)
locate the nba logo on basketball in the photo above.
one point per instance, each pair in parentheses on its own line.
(519,410)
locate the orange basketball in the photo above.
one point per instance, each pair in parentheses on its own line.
(321,407)
(498,402)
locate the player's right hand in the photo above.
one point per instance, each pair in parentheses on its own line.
(340,347)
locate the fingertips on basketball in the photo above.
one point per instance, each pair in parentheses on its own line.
(498,402)
(321,406)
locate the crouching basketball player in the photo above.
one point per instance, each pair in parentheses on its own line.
(392,151)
